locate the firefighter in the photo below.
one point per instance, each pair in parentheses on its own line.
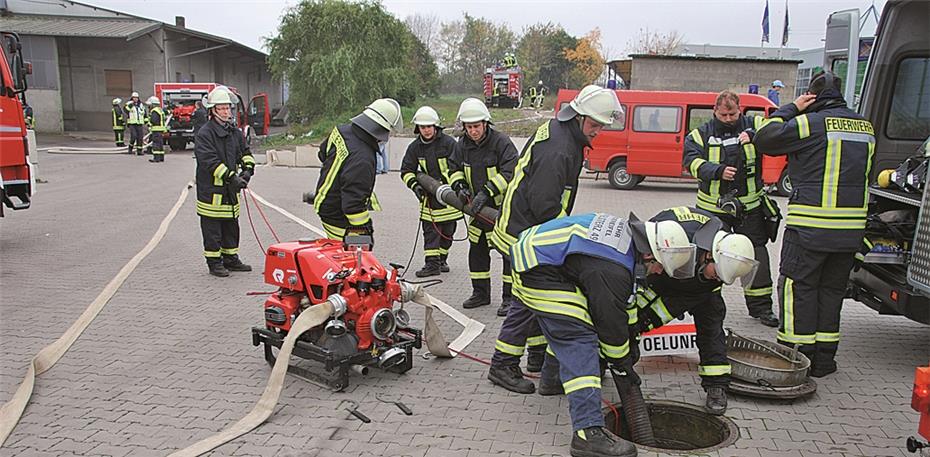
(135,118)
(119,121)
(29,116)
(224,167)
(830,151)
(481,165)
(720,155)
(576,274)
(199,116)
(723,258)
(429,153)
(544,187)
(157,129)
(345,190)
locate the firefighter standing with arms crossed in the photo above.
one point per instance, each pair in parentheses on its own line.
(830,151)
(345,190)
(720,155)
(119,122)
(429,153)
(220,150)
(481,165)
(135,118)
(544,187)
(157,129)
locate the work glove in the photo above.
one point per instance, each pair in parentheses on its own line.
(418,190)
(623,370)
(237,183)
(246,174)
(479,202)
(461,189)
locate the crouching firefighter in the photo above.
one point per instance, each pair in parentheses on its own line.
(481,167)
(576,274)
(221,152)
(544,187)
(722,257)
(429,153)
(345,190)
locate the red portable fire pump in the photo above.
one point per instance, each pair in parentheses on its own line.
(365,329)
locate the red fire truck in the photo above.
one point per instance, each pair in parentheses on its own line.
(17,177)
(503,87)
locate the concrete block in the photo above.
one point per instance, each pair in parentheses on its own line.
(306,156)
(282,157)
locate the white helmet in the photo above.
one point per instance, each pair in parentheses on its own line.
(153,100)
(595,102)
(540,83)
(380,118)
(473,110)
(134,94)
(672,248)
(735,258)
(425,116)
(218,96)
(117,101)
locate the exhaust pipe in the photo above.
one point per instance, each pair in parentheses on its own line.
(445,194)
(360,369)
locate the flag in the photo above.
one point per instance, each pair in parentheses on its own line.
(784,34)
(765,23)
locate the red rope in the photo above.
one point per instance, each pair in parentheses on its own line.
(276,239)
(254,232)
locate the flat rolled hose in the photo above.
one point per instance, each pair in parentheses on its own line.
(445,194)
(635,410)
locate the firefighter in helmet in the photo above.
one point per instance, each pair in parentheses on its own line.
(345,190)
(135,119)
(481,166)
(224,167)
(429,153)
(119,121)
(157,128)
(544,187)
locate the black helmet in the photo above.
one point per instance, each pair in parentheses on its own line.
(826,84)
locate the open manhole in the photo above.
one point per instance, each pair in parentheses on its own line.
(679,428)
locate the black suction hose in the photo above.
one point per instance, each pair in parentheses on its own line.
(634,408)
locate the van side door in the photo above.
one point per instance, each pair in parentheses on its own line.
(655,140)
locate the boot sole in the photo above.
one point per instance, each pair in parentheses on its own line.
(426,275)
(549,393)
(583,453)
(238,269)
(494,380)
(472,306)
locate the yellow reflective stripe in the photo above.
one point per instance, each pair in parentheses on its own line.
(713,156)
(216,210)
(772,120)
(211,254)
(408,177)
(829,224)
(248,159)
(750,152)
(229,251)
(867,243)
(432,253)
(708,202)
(582,382)
(696,136)
(422,162)
(508,348)
(566,196)
(804,128)
(695,166)
(458,175)
(713,370)
(576,299)
(443,251)
(342,151)
(796,339)
(439,215)
(831,174)
(550,306)
(219,174)
(360,218)
(373,202)
(479,274)
(758,122)
(498,184)
(760,292)
(506,279)
(827,337)
(834,212)
(614,352)
(444,168)
(503,240)
(538,340)
(468,177)
(334,232)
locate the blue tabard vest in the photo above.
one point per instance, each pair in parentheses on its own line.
(594,234)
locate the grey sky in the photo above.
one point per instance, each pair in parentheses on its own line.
(734,22)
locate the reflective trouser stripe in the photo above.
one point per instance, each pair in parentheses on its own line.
(713,370)
(334,232)
(432,252)
(537,340)
(583,382)
(788,334)
(760,292)
(229,251)
(479,274)
(211,254)
(510,349)
(827,337)
(614,352)
(360,218)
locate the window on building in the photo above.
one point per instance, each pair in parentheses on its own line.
(804,81)
(698,116)
(40,51)
(909,116)
(657,119)
(119,82)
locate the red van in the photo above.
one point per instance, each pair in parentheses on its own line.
(650,139)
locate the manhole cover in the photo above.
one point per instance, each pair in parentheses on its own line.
(679,428)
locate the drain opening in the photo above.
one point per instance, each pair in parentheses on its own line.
(679,427)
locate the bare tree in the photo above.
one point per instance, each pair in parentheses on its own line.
(426,28)
(656,43)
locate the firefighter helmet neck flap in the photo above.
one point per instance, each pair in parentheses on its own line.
(380,118)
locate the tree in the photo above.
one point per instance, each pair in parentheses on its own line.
(426,28)
(449,48)
(655,43)
(587,59)
(483,44)
(339,56)
(540,52)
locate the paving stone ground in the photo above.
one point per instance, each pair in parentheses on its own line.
(169,361)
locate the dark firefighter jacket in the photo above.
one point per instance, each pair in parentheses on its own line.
(220,151)
(433,159)
(830,150)
(544,183)
(157,120)
(119,118)
(198,119)
(347,177)
(487,165)
(714,146)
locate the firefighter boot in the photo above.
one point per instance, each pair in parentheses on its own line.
(444,266)
(549,381)
(481,294)
(504,308)
(216,268)
(767,318)
(431,268)
(823,362)
(598,442)
(511,378)
(535,355)
(716,401)
(232,263)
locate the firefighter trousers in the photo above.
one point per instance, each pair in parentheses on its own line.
(709,311)
(759,294)
(118,136)
(158,146)
(520,328)
(811,289)
(135,138)
(220,237)
(437,239)
(479,265)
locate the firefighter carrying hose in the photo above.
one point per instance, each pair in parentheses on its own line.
(722,257)
(221,151)
(729,168)
(429,153)
(481,165)
(345,190)
(576,274)
(544,187)
(119,122)
(830,150)
(157,129)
